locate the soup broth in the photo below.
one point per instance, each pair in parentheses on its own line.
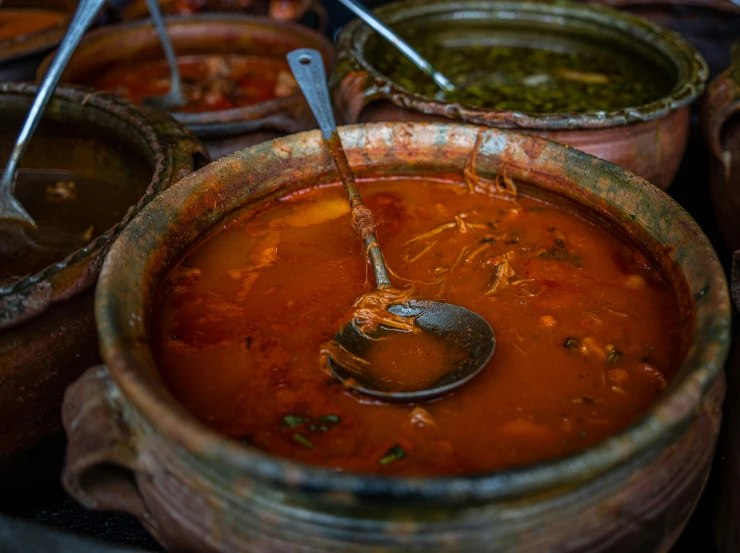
(588,331)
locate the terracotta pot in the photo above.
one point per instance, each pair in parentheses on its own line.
(20,56)
(133,448)
(222,132)
(722,133)
(710,26)
(279,10)
(47,328)
(649,140)
(727,466)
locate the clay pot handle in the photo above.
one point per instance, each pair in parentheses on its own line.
(352,94)
(102,459)
(721,103)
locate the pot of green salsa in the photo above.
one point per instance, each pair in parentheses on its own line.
(612,84)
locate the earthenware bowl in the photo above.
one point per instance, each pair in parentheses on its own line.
(225,131)
(133,448)
(649,140)
(47,328)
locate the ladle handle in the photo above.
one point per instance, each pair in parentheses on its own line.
(308,68)
(87,11)
(156,14)
(413,56)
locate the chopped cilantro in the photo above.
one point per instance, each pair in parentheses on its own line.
(291,421)
(570,343)
(301,440)
(396,453)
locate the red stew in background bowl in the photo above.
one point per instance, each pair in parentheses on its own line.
(588,331)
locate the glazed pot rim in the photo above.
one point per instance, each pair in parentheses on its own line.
(352,38)
(239,117)
(157,136)
(122,322)
(129,13)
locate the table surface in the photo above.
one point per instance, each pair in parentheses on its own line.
(54,508)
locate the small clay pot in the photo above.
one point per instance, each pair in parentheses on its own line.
(134,448)
(47,327)
(648,140)
(222,132)
(721,121)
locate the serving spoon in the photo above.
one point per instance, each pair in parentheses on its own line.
(454,325)
(11,209)
(413,56)
(174,97)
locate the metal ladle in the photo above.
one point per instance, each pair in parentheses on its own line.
(452,324)
(174,97)
(11,209)
(413,56)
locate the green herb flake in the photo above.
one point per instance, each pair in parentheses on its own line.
(302,440)
(488,241)
(614,356)
(559,243)
(396,453)
(627,218)
(291,421)
(570,343)
(330,420)
(701,293)
(562,255)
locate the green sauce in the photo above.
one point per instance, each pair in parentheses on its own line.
(527,79)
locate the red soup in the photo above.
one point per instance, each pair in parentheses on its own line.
(588,331)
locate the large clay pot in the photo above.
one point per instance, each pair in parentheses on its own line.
(222,132)
(722,132)
(47,327)
(648,140)
(132,447)
(727,466)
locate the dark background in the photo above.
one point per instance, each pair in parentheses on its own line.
(48,504)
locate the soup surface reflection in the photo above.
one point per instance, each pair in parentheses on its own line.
(588,332)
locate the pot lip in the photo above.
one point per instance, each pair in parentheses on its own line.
(352,38)
(228,116)
(131,12)
(22,46)
(127,357)
(158,140)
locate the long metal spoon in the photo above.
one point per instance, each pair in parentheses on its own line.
(10,208)
(174,97)
(452,324)
(414,57)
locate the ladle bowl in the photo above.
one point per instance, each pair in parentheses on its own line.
(453,325)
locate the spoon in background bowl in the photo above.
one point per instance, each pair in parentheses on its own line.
(413,56)
(174,98)
(11,210)
(457,328)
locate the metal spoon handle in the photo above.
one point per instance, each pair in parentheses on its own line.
(86,12)
(308,68)
(156,14)
(360,11)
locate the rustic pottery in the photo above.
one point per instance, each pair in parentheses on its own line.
(226,131)
(47,328)
(133,448)
(727,466)
(20,56)
(648,140)
(722,132)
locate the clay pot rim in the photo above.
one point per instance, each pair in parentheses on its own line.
(121,319)
(158,140)
(352,38)
(199,122)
